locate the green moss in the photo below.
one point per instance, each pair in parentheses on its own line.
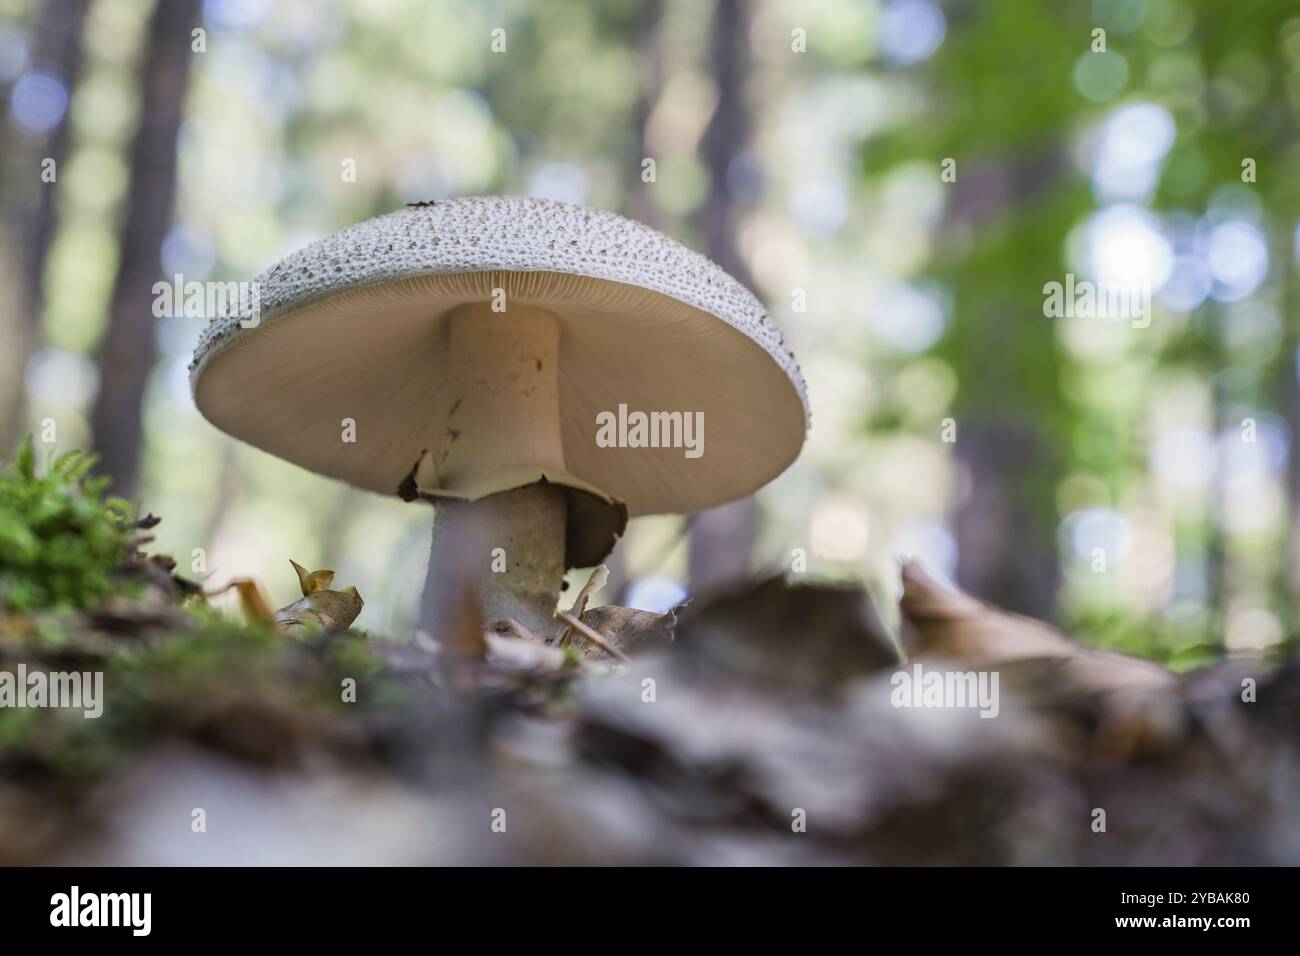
(176,682)
(185,670)
(61,538)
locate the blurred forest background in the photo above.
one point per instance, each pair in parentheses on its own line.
(1137,485)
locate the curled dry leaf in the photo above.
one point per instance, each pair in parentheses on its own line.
(802,638)
(629,630)
(942,622)
(312,581)
(319,608)
(593,637)
(598,579)
(624,630)
(1128,706)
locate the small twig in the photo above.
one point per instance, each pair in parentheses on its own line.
(591,635)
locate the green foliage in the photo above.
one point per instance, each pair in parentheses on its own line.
(61,539)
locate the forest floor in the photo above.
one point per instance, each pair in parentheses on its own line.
(782,723)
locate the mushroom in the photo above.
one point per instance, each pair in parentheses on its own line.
(537,370)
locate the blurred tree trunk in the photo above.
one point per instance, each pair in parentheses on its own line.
(1004,554)
(29,202)
(1218,557)
(1007,450)
(128,351)
(651,63)
(727,134)
(1288,396)
(722,539)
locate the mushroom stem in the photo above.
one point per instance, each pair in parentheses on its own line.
(508,548)
(507,539)
(504,404)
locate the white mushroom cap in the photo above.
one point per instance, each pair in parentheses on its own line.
(354,326)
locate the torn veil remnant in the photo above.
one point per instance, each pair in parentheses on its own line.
(475,345)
